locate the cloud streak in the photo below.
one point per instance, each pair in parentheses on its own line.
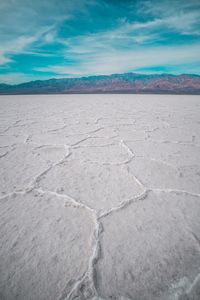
(126,61)
(19,45)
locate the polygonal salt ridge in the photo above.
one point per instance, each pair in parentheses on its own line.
(82,290)
(4,150)
(163,175)
(151,149)
(35,127)
(193,290)
(106,132)
(7,124)
(21,167)
(173,153)
(77,129)
(184,289)
(112,154)
(85,288)
(171,254)
(36,216)
(2,128)
(59,138)
(97,186)
(26,121)
(91,141)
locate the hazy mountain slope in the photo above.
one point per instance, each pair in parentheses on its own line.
(123,83)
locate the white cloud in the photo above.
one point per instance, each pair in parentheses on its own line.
(25,22)
(3,59)
(123,61)
(20,44)
(181,23)
(181,16)
(49,37)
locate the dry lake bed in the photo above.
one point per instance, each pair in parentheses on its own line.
(100,197)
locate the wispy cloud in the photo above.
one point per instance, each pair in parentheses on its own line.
(130,60)
(18,45)
(181,16)
(3,59)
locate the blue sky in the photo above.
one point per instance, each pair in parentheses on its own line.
(41,39)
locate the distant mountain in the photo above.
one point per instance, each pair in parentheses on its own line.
(116,83)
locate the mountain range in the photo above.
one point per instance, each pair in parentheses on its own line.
(115,83)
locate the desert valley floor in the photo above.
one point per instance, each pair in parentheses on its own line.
(100,197)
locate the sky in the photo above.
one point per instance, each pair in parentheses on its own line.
(42,39)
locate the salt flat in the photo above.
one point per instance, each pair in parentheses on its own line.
(100,197)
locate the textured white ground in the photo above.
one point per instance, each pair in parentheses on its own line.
(100,197)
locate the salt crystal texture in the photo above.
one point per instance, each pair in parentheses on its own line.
(100,197)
